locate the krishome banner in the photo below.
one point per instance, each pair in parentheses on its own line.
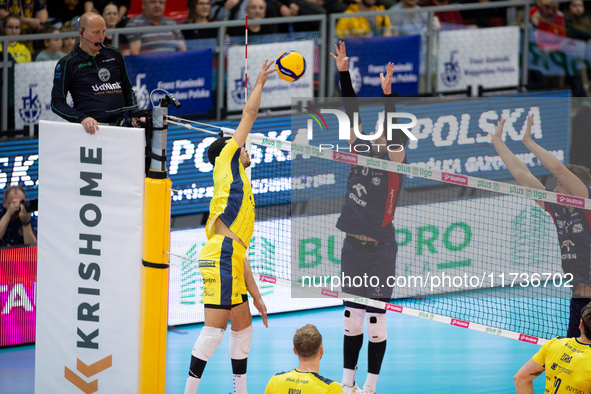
(89,259)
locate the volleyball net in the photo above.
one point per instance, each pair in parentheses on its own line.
(474,251)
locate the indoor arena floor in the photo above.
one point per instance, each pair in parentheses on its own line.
(422,357)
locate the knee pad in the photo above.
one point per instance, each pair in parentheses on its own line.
(240,343)
(208,341)
(377,329)
(353,321)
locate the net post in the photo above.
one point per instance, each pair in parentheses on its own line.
(154,308)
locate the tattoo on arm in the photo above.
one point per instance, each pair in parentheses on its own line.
(537,373)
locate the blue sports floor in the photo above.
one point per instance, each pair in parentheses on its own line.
(422,357)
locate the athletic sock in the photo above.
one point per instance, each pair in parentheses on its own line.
(375,356)
(239,376)
(371,381)
(348,377)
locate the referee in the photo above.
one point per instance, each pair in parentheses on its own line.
(95,76)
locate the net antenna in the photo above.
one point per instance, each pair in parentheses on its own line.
(246,59)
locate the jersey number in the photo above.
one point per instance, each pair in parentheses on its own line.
(557,382)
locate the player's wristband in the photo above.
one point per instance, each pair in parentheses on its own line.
(25,224)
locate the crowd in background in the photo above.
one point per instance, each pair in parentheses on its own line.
(52,16)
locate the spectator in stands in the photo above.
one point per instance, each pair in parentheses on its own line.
(305,379)
(111,16)
(364,26)
(256,10)
(165,41)
(17,51)
(122,7)
(549,24)
(446,18)
(68,43)
(289,8)
(17,226)
(410,24)
(62,11)
(578,24)
(53,47)
(199,11)
(489,17)
(33,14)
(223,10)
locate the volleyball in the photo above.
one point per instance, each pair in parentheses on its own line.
(291,65)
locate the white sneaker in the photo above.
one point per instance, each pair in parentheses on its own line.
(351,390)
(367,391)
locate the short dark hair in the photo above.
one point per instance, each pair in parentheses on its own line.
(586,317)
(11,189)
(307,341)
(581,172)
(216,148)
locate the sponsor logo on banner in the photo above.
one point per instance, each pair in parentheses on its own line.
(528,339)
(452,72)
(268,279)
(88,371)
(141,91)
(576,202)
(31,109)
(487,57)
(460,323)
(394,308)
(238,90)
(329,293)
(344,157)
(453,178)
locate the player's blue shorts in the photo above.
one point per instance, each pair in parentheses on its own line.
(361,259)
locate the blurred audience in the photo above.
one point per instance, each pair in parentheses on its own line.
(546,18)
(445,17)
(68,43)
(364,26)
(410,24)
(62,11)
(149,42)
(53,47)
(578,23)
(490,17)
(122,7)
(32,13)
(256,10)
(199,11)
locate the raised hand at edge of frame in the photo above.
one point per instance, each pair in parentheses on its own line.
(265,72)
(497,136)
(341,57)
(527,135)
(387,80)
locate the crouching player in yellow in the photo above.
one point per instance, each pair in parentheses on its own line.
(224,267)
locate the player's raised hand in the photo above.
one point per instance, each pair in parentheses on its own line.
(387,80)
(527,135)
(265,72)
(341,57)
(262,308)
(496,137)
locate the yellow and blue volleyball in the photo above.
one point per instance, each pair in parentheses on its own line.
(291,65)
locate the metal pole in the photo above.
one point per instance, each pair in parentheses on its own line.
(429,58)
(323,57)
(525,47)
(331,67)
(5,85)
(220,88)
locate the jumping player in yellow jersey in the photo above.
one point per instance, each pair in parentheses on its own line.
(566,361)
(223,264)
(307,345)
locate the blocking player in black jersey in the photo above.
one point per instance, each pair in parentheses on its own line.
(370,245)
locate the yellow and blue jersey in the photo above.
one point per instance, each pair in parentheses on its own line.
(232,200)
(567,362)
(296,382)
